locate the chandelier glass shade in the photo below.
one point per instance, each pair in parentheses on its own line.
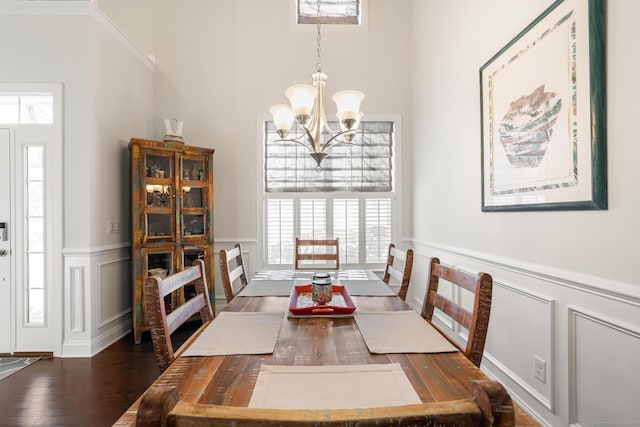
(306,106)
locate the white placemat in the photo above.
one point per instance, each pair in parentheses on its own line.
(367,288)
(238,333)
(400,332)
(308,274)
(332,387)
(267,288)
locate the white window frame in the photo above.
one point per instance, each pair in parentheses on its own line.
(396,195)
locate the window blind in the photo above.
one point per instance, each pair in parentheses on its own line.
(331,12)
(365,165)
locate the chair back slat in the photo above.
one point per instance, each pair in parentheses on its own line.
(456,312)
(395,273)
(237,272)
(305,251)
(401,272)
(398,254)
(173,283)
(163,324)
(234,277)
(177,317)
(459,277)
(477,321)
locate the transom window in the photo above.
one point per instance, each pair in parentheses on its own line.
(26,109)
(350,198)
(331,12)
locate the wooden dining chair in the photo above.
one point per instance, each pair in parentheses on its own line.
(477,321)
(488,405)
(233,272)
(399,266)
(306,251)
(163,323)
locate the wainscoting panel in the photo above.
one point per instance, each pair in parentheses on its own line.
(603,384)
(97,298)
(76,299)
(76,335)
(111,286)
(115,299)
(591,369)
(516,312)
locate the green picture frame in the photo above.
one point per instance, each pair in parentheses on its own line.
(543,114)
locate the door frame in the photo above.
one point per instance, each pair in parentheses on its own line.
(55,205)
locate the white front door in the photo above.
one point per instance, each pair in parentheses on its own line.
(6,312)
(27,270)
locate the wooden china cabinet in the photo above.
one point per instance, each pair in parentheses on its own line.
(172,215)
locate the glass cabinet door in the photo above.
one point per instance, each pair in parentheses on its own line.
(194,193)
(158,222)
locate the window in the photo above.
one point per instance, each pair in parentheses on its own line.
(35,232)
(351,198)
(26,109)
(331,12)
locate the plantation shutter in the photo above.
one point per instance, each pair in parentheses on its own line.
(346,221)
(280,231)
(378,229)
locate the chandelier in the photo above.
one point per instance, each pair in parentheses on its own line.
(307,107)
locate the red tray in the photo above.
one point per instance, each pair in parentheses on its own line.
(301,304)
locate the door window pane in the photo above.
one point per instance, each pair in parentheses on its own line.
(35,166)
(34,198)
(36,306)
(35,233)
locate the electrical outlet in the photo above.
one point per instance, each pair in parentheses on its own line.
(540,369)
(113,227)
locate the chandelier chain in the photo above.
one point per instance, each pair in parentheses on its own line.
(318,38)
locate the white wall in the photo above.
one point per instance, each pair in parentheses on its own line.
(566,288)
(108,97)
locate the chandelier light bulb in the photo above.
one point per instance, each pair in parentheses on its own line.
(282,118)
(301,98)
(348,103)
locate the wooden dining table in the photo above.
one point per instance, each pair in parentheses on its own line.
(229,380)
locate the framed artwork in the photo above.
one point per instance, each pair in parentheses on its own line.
(543,114)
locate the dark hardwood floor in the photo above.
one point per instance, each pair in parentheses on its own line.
(82,391)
